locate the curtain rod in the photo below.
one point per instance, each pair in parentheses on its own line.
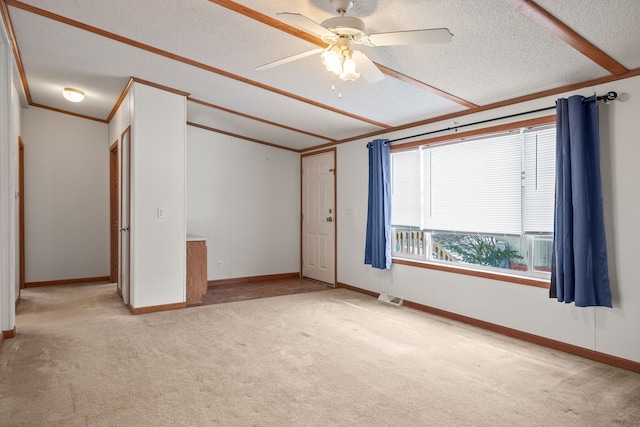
(610,96)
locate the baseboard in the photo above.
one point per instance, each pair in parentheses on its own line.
(597,356)
(359,290)
(156,308)
(5,335)
(103,279)
(10,333)
(253,279)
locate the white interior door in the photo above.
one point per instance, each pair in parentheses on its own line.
(124,255)
(318,217)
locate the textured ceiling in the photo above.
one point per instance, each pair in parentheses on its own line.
(209,49)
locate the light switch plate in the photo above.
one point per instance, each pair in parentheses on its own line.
(161,213)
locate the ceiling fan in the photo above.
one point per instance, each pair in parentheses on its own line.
(341,32)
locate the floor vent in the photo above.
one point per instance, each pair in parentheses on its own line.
(390,299)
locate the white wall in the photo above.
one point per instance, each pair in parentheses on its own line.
(158,181)
(15,133)
(612,331)
(8,187)
(618,331)
(66,196)
(245,198)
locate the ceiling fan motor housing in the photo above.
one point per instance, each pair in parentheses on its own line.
(347,26)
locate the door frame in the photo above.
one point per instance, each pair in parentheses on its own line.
(125,236)
(114,210)
(335,207)
(21,211)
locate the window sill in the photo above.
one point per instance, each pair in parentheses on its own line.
(528,281)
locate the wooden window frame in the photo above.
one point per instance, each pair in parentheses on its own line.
(522,280)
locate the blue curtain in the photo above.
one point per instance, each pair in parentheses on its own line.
(377,250)
(579,270)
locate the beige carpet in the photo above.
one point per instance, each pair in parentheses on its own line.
(333,358)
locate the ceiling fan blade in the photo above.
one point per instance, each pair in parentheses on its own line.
(305,24)
(366,67)
(289,59)
(435,35)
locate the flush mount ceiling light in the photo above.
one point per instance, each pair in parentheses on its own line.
(73,95)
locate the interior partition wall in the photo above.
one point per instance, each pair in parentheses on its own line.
(8,182)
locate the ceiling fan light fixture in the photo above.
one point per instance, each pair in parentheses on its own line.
(332,60)
(73,95)
(349,70)
(337,58)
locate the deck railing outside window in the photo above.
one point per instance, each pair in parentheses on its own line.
(528,255)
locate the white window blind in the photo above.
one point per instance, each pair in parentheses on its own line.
(539,180)
(499,185)
(476,186)
(405,188)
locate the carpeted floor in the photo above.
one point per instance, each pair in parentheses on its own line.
(333,358)
(218,294)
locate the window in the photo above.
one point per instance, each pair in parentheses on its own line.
(484,203)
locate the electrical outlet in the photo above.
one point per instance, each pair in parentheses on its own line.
(219,264)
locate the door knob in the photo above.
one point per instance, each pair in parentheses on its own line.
(329,219)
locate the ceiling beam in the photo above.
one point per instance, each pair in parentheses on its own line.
(250,13)
(540,16)
(258,119)
(120,100)
(16,51)
(70,113)
(424,86)
(272,22)
(206,104)
(246,138)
